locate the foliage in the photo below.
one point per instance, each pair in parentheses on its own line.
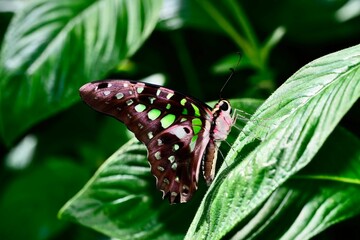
(291,173)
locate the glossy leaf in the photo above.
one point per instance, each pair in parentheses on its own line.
(53,47)
(121,200)
(287,132)
(322,194)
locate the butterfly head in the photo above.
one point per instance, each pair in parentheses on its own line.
(222,120)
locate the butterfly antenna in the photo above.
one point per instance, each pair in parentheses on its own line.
(231,74)
(232,70)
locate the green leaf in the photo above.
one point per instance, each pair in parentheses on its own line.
(121,200)
(29,203)
(323,193)
(287,131)
(53,47)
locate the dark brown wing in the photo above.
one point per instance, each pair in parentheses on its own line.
(174,127)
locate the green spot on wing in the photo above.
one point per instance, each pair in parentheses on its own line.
(119,95)
(185,111)
(154,114)
(193,142)
(183,101)
(140,89)
(140,107)
(168,106)
(176,147)
(196,110)
(197,121)
(167,120)
(196,125)
(169,95)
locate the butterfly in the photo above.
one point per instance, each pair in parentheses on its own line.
(181,133)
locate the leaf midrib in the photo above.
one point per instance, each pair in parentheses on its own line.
(63,32)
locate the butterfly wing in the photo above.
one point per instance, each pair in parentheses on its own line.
(174,127)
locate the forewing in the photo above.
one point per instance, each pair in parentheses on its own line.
(174,127)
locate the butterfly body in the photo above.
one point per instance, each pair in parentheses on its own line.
(181,133)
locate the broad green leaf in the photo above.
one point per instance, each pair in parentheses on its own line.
(53,47)
(287,131)
(121,200)
(322,194)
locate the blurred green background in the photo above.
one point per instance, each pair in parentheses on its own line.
(48,156)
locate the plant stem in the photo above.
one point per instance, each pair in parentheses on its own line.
(227,27)
(248,31)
